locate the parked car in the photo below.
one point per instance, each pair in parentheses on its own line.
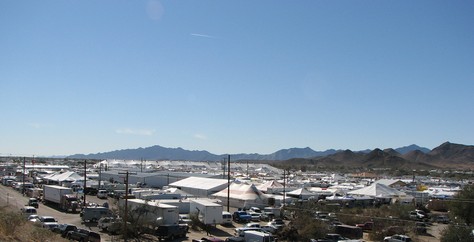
(397,238)
(33,202)
(254,216)
(63,229)
(184,219)
(241,217)
(211,239)
(442,219)
(366,225)
(269,228)
(420,228)
(110,224)
(28,210)
(102,194)
(278,223)
(267,216)
(171,231)
(33,218)
(48,222)
(417,215)
(83,235)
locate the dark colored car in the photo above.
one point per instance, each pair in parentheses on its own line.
(241,217)
(211,239)
(171,231)
(33,202)
(63,229)
(83,235)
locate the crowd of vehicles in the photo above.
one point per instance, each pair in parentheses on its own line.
(261,224)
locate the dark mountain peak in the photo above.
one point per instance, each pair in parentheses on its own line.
(416,156)
(406,149)
(391,151)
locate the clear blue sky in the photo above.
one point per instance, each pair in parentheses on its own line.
(234,76)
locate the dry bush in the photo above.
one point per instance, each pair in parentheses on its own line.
(13,227)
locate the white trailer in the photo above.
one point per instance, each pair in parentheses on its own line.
(53,193)
(151,212)
(207,211)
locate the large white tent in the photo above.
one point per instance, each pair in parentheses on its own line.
(377,190)
(60,178)
(301,193)
(268,185)
(200,186)
(242,196)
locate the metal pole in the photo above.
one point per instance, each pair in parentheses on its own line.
(100,173)
(284,187)
(228,183)
(125,216)
(24,170)
(84,189)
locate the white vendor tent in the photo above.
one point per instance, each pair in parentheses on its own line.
(269,185)
(301,193)
(60,178)
(377,190)
(242,196)
(200,186)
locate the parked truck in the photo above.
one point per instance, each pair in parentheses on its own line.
(62,197)
(208,212)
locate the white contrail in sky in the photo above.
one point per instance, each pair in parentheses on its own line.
(203,35)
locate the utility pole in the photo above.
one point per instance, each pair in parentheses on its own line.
(125,215)
(84,188)
(228,183)
(100,174)
(24,171)
(284,188)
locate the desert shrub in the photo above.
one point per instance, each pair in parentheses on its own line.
(10,222)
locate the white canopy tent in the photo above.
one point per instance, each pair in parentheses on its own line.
(377,190)
(242,196)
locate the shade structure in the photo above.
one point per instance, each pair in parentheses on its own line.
(242,196)
(377,190)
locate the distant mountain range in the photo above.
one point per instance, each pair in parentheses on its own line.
(161,153)
(447,155)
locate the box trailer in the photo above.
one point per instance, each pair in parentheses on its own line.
(63,197)
(208,212)
(53,193)
(151,212)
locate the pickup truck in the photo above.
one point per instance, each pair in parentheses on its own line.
(83,235)
(241,217)
(111,224)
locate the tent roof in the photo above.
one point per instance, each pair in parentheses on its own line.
(241,191)
(300,191)
(199,182)
(377,190)
(269,184)
(66,176)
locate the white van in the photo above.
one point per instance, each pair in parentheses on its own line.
(226,218)
(27,211)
